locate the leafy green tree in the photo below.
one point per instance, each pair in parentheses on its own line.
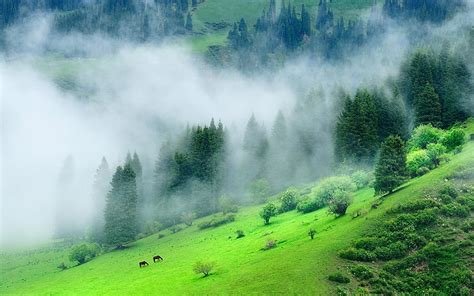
(268,211)
(121,208)
(289,200)
(423,135)
(339,202)
(84,252)
(391,170)
(453,138)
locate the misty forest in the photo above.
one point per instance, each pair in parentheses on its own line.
(235,147)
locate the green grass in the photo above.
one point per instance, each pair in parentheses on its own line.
(231,11)
(297,265)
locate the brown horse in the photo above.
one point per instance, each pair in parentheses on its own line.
(157,258)
(142,264)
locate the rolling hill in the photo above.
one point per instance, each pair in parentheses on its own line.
(298,265)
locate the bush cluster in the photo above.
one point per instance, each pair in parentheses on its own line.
(84,252)
(339,278)
(217,221)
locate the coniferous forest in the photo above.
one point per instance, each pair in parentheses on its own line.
(323,147)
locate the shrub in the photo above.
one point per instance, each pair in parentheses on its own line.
(339,278)
(203,267)
(414,206)
(308,205)
(455,210)
(453,138)
(240,233)
(357,255)
(326,189)
(188,218)
(288,200)
(175,229)
(367,243)
(259,190)
(268,211)
(422,171)
(84,252)
(424,135)
(339,203)
(361,272)
(450,190)
(312,233)
(270,244)
(161,235)
(393,251)
(217,221)
(416,160)
(62,266)
(361,179)
(152,227)
(435,153)
(227,205)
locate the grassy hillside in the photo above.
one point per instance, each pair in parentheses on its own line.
(226,12)
(297,265)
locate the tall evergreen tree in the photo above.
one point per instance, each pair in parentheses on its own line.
(99,190)
(121,208)
(189,22)
(428,107)
(390,171)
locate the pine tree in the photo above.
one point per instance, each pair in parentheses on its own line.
(189,22)
(99,189)
(390,171)
(121,208)
(428,107)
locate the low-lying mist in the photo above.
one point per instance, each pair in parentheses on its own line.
(137,97)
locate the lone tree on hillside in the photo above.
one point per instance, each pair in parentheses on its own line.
(121,208)
(391,170)
(268,211)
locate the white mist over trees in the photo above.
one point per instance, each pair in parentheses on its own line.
(141,98)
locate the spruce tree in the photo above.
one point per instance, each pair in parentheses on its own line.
(189,22)
(390,171)
(121,208)
(428,107)
(99,189)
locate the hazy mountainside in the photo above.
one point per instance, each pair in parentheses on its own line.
(297,264)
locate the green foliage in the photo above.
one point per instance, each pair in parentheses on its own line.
(339,202)
(339,278)
(121,208)
(356,130)
(259,190)
(435,153)
(420,250)
(289,200)
(453,138)
(361,272)
(327,188)
(217,221)
(391,168)
(227,205)
(268,211)
(311,233)
(188,218)
(361,178)
(308,205)
(203,267)
(423,135)
(240,233)
(270,244)
(416,160)
(84,252)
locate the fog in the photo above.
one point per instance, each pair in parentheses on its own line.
(136,97)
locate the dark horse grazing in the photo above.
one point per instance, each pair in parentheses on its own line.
(157,258)
(142,264)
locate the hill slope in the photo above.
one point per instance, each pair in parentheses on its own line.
(297,265)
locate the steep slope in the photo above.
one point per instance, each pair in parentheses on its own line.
(297,265)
